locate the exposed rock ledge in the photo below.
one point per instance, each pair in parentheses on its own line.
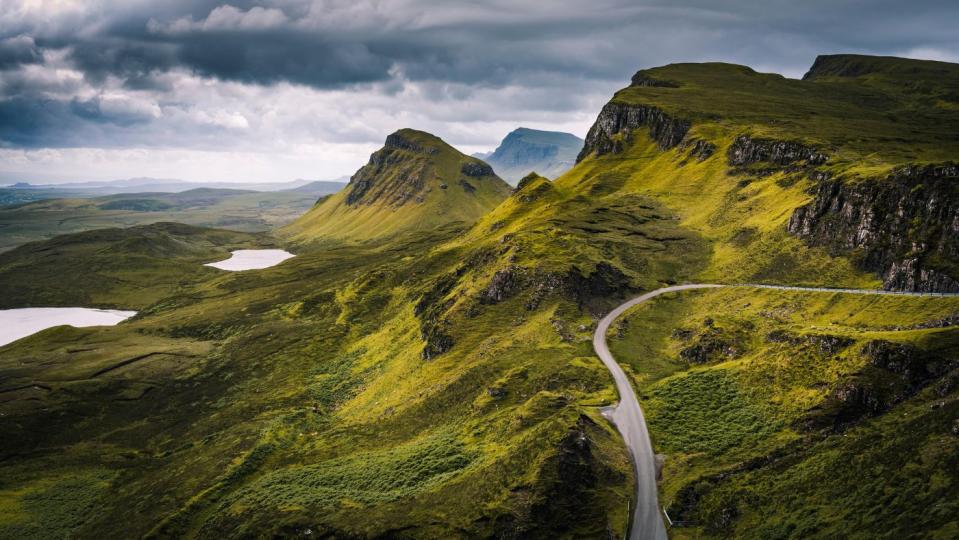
(615,123)
(746,150)
(904,227)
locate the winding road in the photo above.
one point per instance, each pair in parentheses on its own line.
(647,521)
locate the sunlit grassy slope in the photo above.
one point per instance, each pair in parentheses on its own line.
(424,369)
(416,182)
(868,112)
(778,418)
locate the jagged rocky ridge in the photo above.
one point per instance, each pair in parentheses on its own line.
(905,227)
(613,129)
(364,187)
(747,150)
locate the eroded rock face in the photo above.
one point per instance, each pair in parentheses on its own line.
(894,372)
(390,176)
(504,284)
(476,169)
(396,140)
(641,78)
(615,123)
(605,280)
(746,150)
(903,227)
(699,148)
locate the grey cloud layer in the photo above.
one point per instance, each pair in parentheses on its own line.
(443,50)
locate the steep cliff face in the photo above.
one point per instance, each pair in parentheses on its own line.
(746,150)
(905,227)
(378,180)
(615,123)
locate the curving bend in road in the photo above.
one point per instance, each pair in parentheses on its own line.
(647,521)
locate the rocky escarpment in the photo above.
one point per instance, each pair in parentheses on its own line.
(615,123)
(399,154)
(904,227)
(747,150)
(893,373)
(643,78)
(476,169)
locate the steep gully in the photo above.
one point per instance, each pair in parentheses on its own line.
(627,415)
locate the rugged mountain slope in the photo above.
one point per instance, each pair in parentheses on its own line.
(524,150)
(415,182)
(864,147)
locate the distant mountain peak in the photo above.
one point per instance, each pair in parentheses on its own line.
(524,150)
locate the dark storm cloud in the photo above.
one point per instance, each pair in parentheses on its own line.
(18,50)
(446,50)
(335,44)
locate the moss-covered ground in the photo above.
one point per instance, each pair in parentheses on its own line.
(733,380)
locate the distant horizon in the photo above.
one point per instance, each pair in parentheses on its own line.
(7,184)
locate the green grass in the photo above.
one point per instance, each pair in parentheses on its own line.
(298,397)
(32,508)
(123,268)
(733,429)
(706,412)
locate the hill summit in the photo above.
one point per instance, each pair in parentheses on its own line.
(414,182)
(524,150)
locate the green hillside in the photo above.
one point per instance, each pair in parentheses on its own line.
(123,268)
(440,382)
(785,414)
(414,183)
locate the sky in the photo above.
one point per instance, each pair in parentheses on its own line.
(277,90)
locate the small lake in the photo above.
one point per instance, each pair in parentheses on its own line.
(252,259)
(19,323)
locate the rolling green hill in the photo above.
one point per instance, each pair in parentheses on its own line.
(129,268)
(440,381)
(415,182)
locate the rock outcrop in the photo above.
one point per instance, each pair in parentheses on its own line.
(747,150)
(893,373)
(905,227)
(643,78)
(615,123)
